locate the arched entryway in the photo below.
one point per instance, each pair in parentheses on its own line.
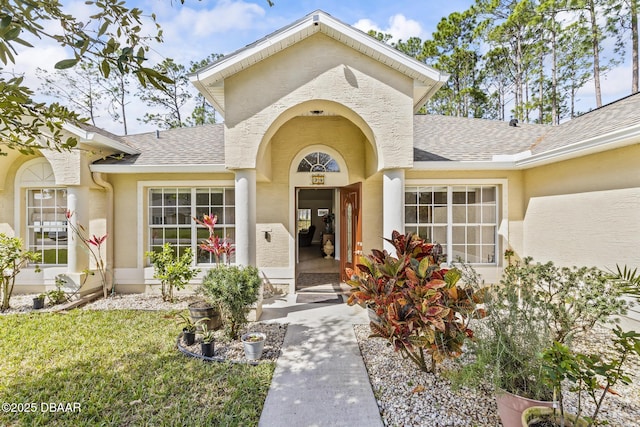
(322,153)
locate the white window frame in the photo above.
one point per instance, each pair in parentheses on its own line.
(501,208)
(57,224)
(143,192)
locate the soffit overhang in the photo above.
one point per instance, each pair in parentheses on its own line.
(210,80)
(98,140)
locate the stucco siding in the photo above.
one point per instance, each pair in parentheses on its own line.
(125,238)
(599,228)
(272,245)
(320,70)
(585,211)
(7,194)
(9,164)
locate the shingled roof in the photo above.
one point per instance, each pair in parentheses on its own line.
(620,114)
(466,139)
(198,145)
(436,139)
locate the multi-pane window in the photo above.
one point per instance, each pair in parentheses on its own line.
(463,219)
(318,162)
(47,224)
(171,212)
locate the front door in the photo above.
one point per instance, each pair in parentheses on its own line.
(350,227)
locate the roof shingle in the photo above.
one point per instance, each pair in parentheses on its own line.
(198,145)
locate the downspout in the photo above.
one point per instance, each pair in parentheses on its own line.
(99,179)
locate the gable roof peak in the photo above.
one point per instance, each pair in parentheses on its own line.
(210,79)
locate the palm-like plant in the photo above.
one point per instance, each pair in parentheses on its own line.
(630,281)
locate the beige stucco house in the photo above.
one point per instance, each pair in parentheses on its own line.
(319,116)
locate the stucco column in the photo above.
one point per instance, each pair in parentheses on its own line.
(78,205)
(245,216)
(393,204)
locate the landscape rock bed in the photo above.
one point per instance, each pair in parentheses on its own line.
(23,303)
(408,397)
(227,350)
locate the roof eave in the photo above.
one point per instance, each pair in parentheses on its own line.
(134,169)
(444,165)
(608,141)
(417,105)
(98,139)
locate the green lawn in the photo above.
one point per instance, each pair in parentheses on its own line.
(121,368)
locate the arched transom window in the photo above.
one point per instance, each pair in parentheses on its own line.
(318,162)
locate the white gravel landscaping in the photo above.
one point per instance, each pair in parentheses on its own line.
(409,397)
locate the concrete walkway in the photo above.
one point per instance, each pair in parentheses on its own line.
(320,378)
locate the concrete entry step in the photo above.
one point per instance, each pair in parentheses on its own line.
(319,298)
(321,283)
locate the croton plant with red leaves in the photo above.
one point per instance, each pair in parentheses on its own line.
(422,310)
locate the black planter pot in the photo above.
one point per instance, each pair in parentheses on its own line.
(38,303)
(188,337)
(207,349)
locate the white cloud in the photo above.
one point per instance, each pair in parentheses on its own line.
(398,26)
(224,17)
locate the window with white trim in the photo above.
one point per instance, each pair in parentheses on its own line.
(47,224)
(171,212)
(462,218)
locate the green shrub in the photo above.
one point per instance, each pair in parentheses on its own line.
(12,259)
(533,306)
(235,289)
(171,270)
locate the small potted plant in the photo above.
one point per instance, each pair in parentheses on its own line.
(208,338)
(189,328)
(253,343)
(590,374)
(38,302)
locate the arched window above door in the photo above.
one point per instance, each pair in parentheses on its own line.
(318,162)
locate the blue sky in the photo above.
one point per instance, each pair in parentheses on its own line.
(195,29)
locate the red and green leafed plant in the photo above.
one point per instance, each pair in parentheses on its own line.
(93,245)
(421,308)
(220,248)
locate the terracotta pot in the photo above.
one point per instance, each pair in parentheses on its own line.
(511,406)
(538,413)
